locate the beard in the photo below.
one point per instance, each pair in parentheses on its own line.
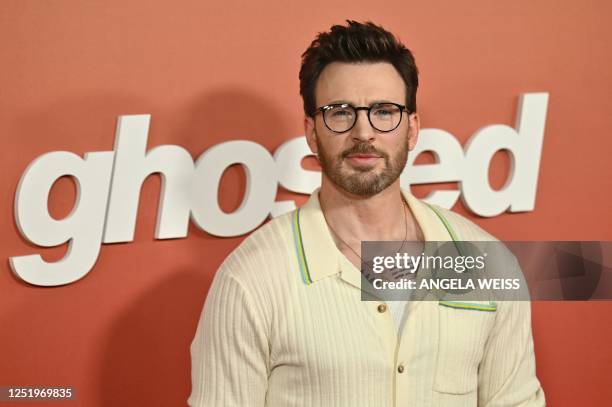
(362,181)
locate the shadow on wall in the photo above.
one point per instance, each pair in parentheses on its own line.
(145,360)
(234,114)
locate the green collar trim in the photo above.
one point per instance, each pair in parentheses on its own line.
(445,222)
(491,306)
(299,243)
(299,247)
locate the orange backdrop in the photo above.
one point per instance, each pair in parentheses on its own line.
(121,335)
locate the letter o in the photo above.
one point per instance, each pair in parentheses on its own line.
(260,193)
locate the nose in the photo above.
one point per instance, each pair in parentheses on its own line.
(363,130)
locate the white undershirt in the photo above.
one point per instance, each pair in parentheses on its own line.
(397,308)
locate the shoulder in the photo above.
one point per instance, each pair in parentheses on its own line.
(462,226)
(263,252)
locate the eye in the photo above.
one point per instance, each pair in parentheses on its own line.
(340,112)
(383,111)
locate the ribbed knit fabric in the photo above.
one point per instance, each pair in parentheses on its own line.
(284,329)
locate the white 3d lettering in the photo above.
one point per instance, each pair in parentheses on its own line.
(109,183)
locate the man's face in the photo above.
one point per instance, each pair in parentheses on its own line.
(363,161)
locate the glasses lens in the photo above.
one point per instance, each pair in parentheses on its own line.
(385,116)
(339,118)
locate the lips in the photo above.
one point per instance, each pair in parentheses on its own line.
(363,159)
(364,156)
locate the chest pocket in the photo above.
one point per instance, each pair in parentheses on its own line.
(464,328)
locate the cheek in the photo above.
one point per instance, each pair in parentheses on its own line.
(330,149)
(328,144)
(395,145)
(403,141)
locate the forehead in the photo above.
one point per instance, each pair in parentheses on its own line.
(359,83)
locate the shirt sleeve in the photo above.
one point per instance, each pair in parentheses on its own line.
(507,376)
(230,352)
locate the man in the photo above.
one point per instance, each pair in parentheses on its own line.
(284,324)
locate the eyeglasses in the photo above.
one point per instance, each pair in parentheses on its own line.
(341,117)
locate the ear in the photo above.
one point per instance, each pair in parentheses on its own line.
(413,130)
(310,133)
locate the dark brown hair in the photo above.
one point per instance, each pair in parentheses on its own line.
(356,42)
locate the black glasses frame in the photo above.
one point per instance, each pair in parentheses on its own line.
(323,109)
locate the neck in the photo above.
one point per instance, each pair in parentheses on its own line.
(356,218)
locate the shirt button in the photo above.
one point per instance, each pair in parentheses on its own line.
(400,369)
(382,308)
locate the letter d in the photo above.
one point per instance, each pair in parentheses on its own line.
(525,147)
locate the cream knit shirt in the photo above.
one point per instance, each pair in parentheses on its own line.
(284,325)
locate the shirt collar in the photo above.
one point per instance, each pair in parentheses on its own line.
(318,254)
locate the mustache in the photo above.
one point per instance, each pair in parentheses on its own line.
(363,148)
